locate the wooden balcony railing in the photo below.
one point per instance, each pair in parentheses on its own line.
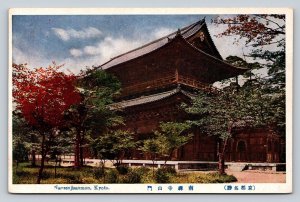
(196,84)
(165,81)
(145,86)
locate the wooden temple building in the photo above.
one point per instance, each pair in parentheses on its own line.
(157,77)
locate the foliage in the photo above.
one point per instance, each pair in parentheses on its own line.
(152,146)
(162,176)
(239,62)
(99,172)
(20,153)
(202,178)
(98,89)
(169,169)
(133,176)
(26,140)
(85,175)
(20,138)
(142,170)
(99,79)
(111,176)
(122,169)
(92,116)
(42,95)
(233,107)
(216,113)
(258,30)
(265,34)
(165,174)
(219,114)
(171,136)
(63,145)
(114,145)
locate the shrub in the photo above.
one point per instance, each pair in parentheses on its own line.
(72,177)
(169,170)
(146,174)
(142,170)
(21,173)
(162,176)
(99,173)
(202,178)
(222,178)
(46,174)
(111,176)
(123,170)
(56,181)
(132,177)
(89,180)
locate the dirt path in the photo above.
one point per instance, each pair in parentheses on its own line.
(258,176)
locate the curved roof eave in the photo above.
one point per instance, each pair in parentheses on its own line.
(214,58)
(149,99)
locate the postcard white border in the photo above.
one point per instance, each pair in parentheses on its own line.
(141,188)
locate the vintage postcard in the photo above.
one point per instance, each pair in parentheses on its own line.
(162,100)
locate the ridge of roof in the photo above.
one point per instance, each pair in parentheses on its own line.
(184,31)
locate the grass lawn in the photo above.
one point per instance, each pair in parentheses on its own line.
(25,174)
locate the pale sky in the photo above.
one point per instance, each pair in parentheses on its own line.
(80,41)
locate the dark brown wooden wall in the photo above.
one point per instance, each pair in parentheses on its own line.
(246,145)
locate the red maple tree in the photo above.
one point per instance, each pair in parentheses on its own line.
(42,95)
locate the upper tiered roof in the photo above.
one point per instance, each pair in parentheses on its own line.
(187,57)
(186,32)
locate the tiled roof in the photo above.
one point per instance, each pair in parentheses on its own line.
(186,32)
(148,99)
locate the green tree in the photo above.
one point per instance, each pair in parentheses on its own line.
(171,136)
(218,114)
(92,116)
(113,145)
(24,138)
(153,146)
(63,145)
(265,36)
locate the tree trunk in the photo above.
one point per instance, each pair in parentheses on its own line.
(40,174)
(81,151)
(221,163)
(168,158)
(77,150)
(33,160)
(56,160)
(81,156)
(153,163)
